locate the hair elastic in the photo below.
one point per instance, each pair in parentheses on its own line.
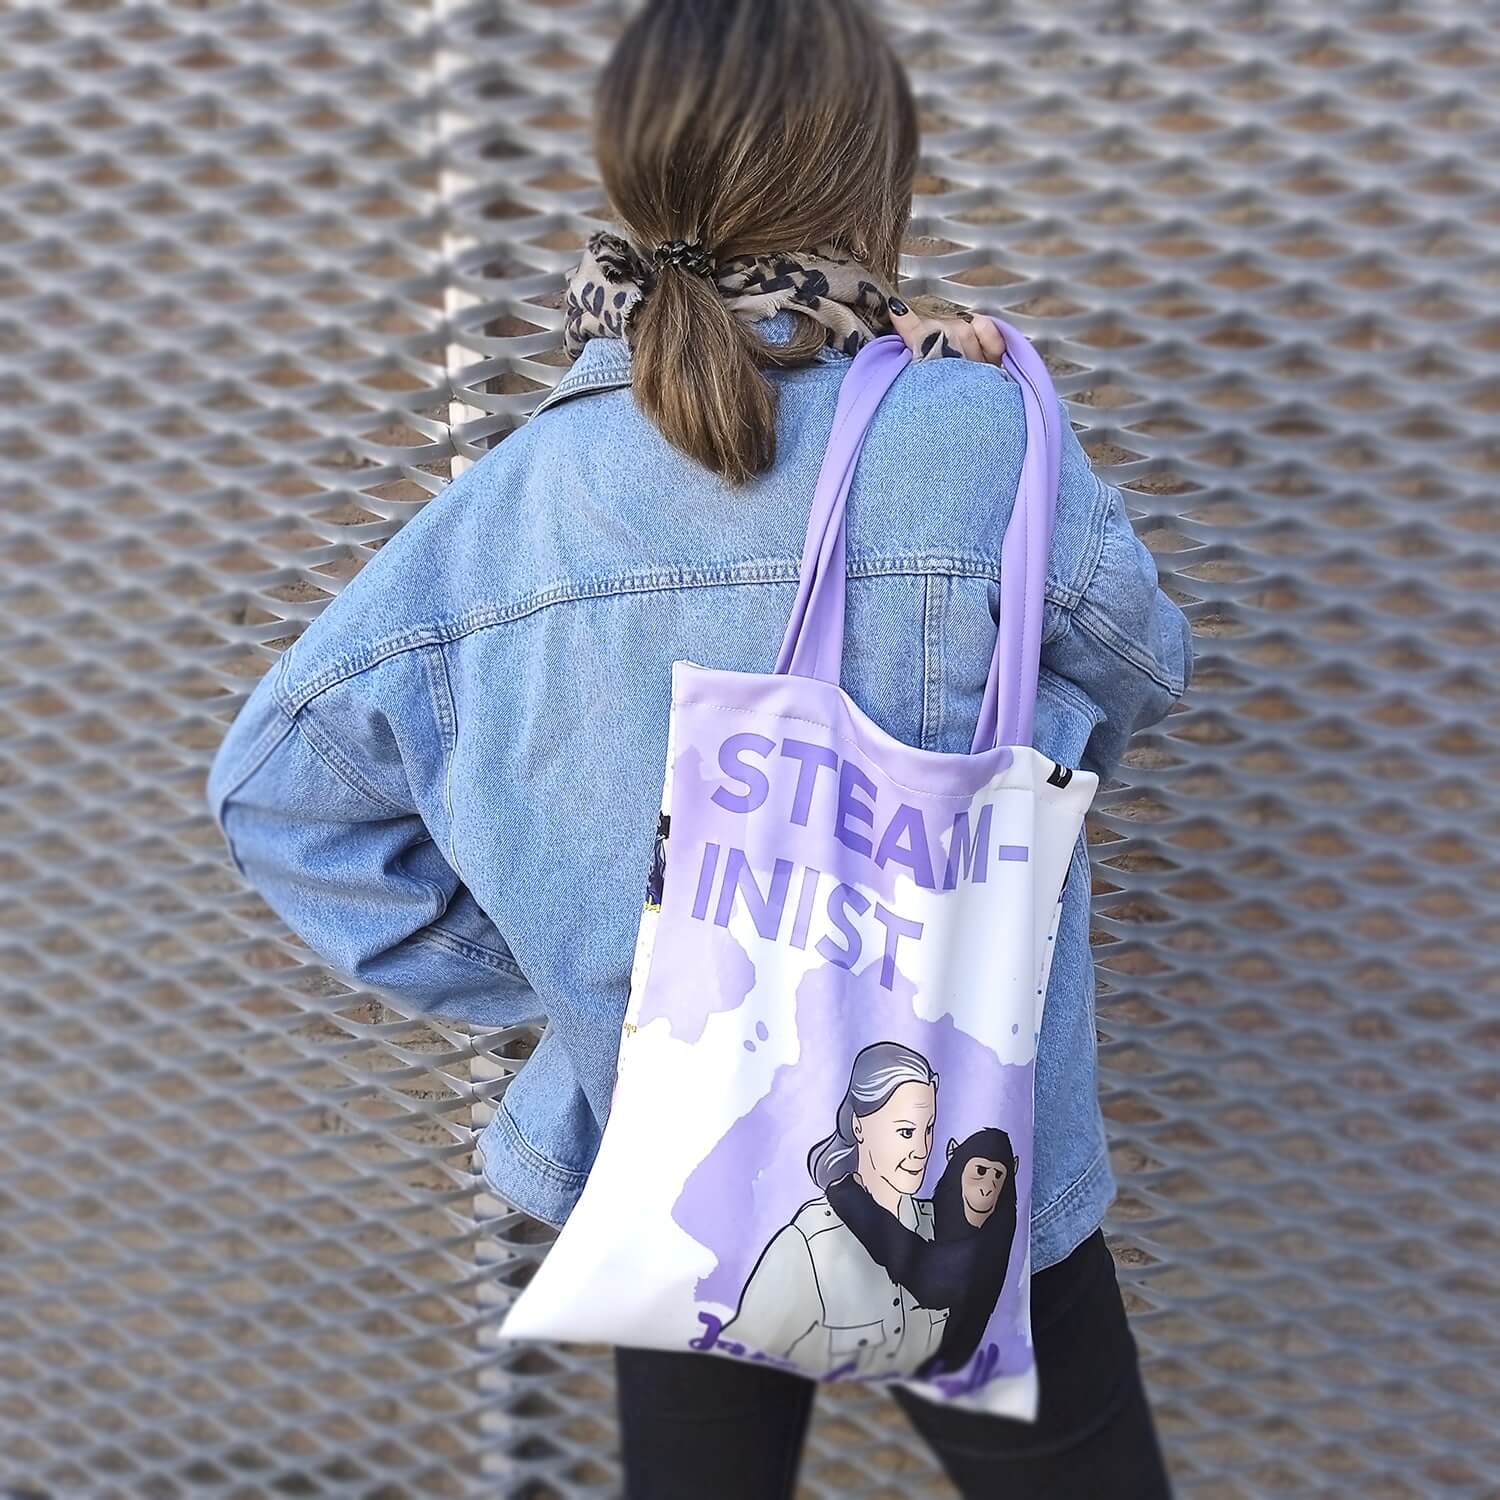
(688,254)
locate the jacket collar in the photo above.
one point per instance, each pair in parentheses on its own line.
(603,364)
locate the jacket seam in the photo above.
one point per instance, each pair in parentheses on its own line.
(621,379)
(658,581)
(1097,624)
(581,387)
(506,1191)
(932,655)
(1097,527)
(446,708)
(546,1166)
(1093,619)
(339,765)
(462,947)
(335,760)
(328,751)
(1072,1190)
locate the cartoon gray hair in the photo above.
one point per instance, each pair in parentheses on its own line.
(878,1071)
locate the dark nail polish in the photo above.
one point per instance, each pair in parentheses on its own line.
(897,306)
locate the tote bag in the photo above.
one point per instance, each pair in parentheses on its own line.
(819,1147)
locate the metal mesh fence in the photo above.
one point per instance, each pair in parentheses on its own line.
(267,270)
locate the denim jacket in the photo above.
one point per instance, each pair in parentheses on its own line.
(448,785)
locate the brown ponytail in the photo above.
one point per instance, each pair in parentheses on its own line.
(747,126)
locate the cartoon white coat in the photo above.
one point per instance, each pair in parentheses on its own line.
(816,1298)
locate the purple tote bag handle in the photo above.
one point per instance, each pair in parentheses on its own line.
(814,641)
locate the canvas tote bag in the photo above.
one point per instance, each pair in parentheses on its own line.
(819,1150)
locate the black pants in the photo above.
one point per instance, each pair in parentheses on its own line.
(693,1426)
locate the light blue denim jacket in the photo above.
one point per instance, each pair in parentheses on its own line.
(448,785)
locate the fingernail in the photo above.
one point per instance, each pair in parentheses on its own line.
(897,306)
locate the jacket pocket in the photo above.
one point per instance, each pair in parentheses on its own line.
(856,1341)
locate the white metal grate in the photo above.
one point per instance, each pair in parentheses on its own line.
(270,269)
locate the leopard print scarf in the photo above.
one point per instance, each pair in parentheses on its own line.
(613,279)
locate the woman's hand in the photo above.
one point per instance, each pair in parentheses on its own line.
(931,337)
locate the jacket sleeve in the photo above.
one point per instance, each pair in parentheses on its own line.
(320,815)
(1124,642)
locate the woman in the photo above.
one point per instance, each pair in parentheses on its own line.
(752,126)
(815,1296)
(448,786)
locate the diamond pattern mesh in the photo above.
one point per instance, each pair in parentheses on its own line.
(271,271)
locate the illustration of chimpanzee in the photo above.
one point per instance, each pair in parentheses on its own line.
(963,1266)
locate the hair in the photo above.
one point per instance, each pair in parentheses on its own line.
(878,1071)
(750,126)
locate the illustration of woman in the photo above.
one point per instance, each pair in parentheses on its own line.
(816,1296)
(962,1265)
